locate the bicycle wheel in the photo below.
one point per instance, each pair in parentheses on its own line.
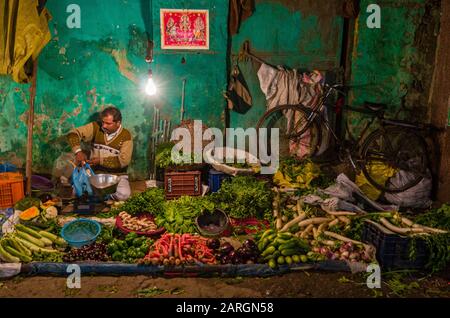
(400,149)
(289,120)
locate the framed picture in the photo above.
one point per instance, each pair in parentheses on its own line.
(184,29)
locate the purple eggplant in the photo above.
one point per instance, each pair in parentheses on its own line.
(250,244)
(226,248)
(213,244)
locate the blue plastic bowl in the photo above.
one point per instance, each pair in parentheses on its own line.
(81,232)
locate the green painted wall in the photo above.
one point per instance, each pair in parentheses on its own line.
(396,61)
(83,70)
(297,34)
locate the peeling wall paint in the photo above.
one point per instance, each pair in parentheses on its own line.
(81,71)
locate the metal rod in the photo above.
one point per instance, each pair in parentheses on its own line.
(153,147)
(166,131)
(182,100)
(169,135)
(29,159)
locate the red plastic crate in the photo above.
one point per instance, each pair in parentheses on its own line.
(177,184)
(11,189)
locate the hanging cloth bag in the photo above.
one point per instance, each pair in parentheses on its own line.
(238,95)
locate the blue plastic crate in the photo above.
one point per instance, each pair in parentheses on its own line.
(8,167)
(392,250)
(215,179)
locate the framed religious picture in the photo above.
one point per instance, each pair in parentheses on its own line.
(184,29)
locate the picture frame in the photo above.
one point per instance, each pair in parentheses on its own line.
(184,29)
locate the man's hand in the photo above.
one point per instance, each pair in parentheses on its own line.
(94,161)
(80,158)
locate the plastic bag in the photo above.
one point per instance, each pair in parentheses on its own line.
(417,196)
(381,173)
(347,190)
(10,269)
(80,180)
(219,158)
(4,216)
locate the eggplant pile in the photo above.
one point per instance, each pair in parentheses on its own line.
(248,253)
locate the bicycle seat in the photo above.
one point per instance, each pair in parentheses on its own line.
(375,107)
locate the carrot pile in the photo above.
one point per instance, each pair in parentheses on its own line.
(176,249)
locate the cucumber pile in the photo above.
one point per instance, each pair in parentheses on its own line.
(282,248)
(25,242)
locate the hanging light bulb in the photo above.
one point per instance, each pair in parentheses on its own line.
(150,87)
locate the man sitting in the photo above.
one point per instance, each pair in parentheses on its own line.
(112,147)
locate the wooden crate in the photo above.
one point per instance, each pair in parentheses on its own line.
(177,184)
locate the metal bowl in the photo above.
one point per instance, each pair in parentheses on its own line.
(104,184)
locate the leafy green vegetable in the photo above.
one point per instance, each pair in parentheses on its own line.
(245,196)
(151,200)
(179,215)
(438,218)
(26,203)
(163,157)
(438,246)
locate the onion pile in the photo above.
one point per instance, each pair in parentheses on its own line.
(345,252)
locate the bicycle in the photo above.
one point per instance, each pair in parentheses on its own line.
(395,144)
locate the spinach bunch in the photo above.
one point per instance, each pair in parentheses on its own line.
(245,196)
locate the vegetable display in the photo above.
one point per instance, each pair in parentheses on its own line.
(92,252)
(179,215)
(437,218)
(151,200)
(163,157)
(29,213)
(38,214)
(248,253)
(280,248)
(137,224)
(295,173)
(130,249)
(177,249)
(26,203)
(243,197)
(26,244)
